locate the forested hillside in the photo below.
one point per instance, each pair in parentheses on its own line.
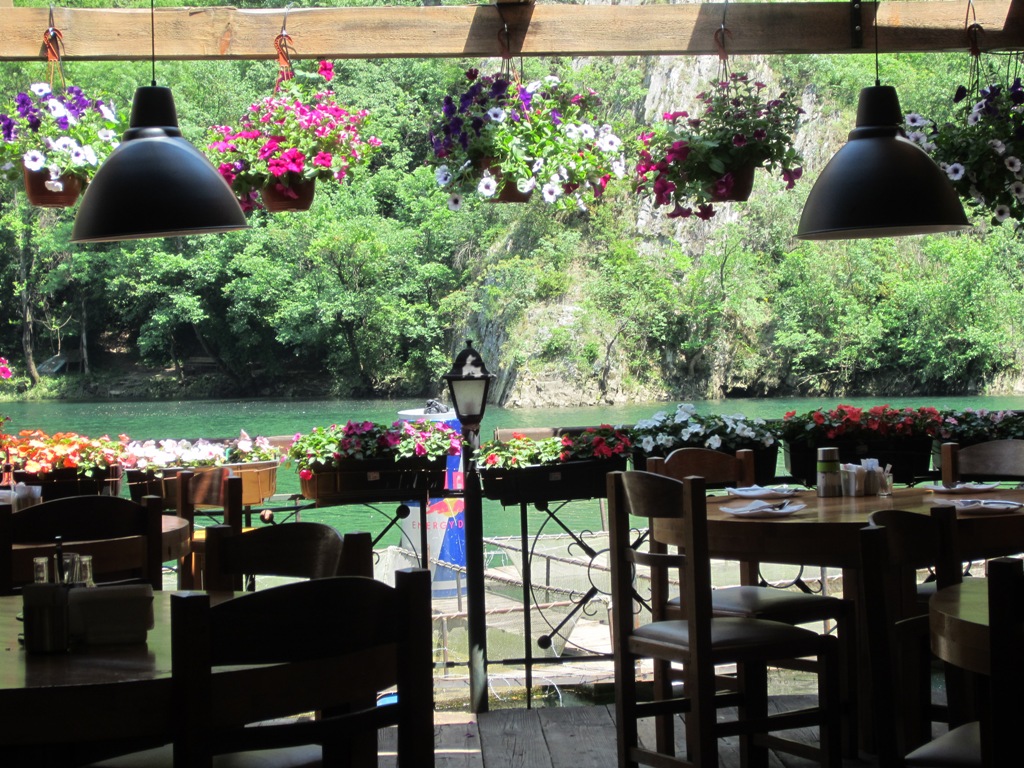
(372,290)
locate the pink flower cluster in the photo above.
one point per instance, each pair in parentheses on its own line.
(295,135)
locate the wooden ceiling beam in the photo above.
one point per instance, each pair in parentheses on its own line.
(535,30)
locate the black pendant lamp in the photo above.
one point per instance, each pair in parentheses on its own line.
(155,183)
(880,184)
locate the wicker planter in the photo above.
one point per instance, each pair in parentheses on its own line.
(259,482)
(363,477)
(276,201)
(61,483)
(541,483)
(910,457)
(40,196)
(743,183)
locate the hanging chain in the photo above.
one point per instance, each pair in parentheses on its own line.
(508,71)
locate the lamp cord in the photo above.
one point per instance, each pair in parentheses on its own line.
(153,40)
(874,24)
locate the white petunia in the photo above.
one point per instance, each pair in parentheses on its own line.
(108,113)
(552,80)
(78,156)
(1002,212)
(551,192)
(915,120)
(955,171)
(609,142)
(538,165)
(1017,189)
(571,130)
(1012,164)
(42,90)
(90,155)
(918,137)
(54,185)
(528,185)
(105,134)
(496,115)
(997,146)
(587,132)
(443,176)
(54,171)
(974,118)
(487,186)
(455,202)
(714,442)
(647,443)
(533,87)
(65,144)
(34,160)
(619,168)
(56,109)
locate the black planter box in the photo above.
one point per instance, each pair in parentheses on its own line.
(541,483)
(910,457)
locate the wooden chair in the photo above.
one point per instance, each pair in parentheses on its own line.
(216,488)
(297,550)
(123,537)
(326,645)
(894,548)
(762,602)
(1002,710)
(991,460)
(677,516)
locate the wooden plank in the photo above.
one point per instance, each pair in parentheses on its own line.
(509,738)
(581,737)
(472,31)
(456,742)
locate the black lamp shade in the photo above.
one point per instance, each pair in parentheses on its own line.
(155,183)
(468,384)
(880,184)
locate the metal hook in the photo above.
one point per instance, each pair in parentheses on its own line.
(284,22)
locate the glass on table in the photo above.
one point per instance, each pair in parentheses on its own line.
(85,571)
(885,484)
(41,570)
(69,568)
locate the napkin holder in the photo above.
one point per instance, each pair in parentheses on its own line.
(119,614)
(45,611)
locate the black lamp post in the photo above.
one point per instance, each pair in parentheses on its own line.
(468,384)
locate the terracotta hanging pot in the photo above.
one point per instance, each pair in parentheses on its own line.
(276,201)
(43,197)
(742,183)
(507,193)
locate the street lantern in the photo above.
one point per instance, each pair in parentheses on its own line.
(469,381)
(468,384)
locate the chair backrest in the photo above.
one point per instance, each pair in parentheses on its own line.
(991,460)
(324,645)
(676,515)
(123,537)
(894,548)
(212,488)
(298,550)
(716,467)
(1004,709)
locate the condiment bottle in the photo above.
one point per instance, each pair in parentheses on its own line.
(829,482)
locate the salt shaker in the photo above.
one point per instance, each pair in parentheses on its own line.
(829,482)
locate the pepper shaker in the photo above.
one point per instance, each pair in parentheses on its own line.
(829,481)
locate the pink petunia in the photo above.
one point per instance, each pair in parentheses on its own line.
(326,70)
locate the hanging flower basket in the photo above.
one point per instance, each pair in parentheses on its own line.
(357,478)
(298,196)
(499,139)
(691,161)
(55,140)
(259,482)
(45,192)
(290,139)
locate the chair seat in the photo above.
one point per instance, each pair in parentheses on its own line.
(772,604)
(959,748)
(733,638)
(306,756)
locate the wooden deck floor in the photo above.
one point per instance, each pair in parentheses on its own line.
(551,737)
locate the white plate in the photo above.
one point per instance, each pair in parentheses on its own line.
(762,509)
(986,507)
(962,488)
(758,492)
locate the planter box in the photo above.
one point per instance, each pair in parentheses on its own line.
(361,478)
(541,483)
(910,457)
(259,482)
(61,483)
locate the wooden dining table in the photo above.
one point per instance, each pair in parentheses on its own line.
(92,694)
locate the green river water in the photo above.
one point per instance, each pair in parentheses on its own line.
(224,419)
